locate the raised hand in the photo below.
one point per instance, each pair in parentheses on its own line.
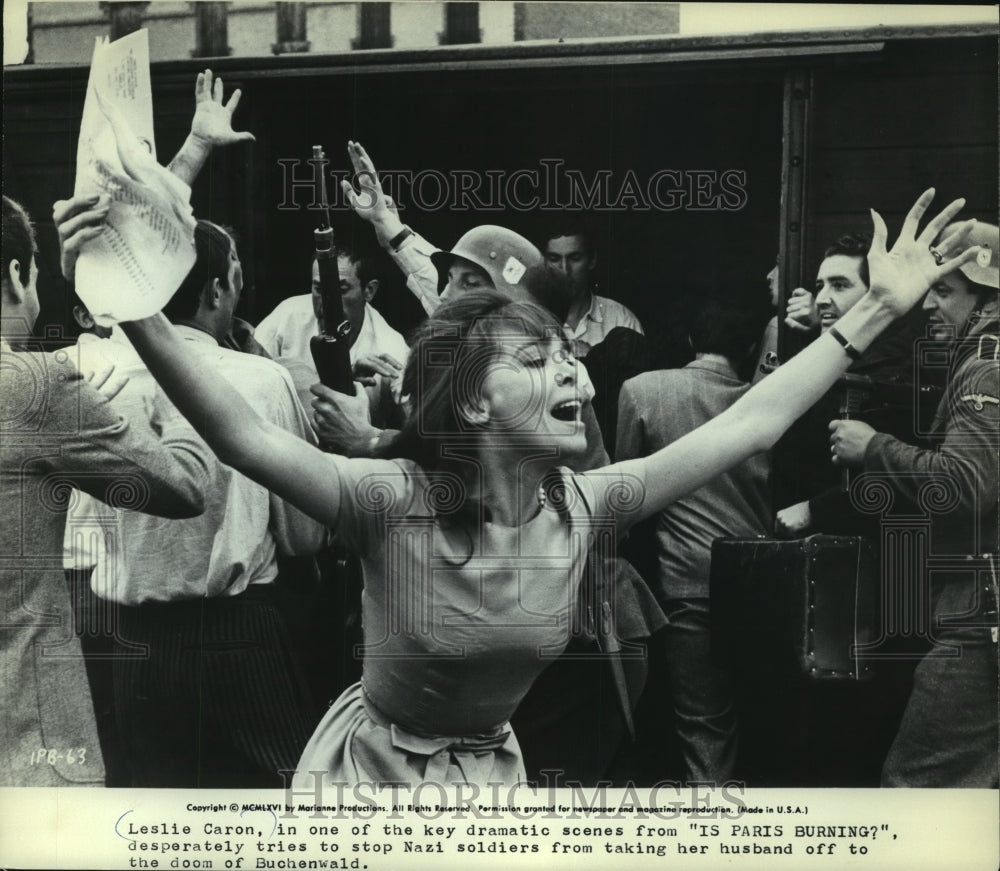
(77,221)
(900,276)
(213,119)
(800,311)
(370,202)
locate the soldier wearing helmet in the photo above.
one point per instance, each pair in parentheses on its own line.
(486,257)
(948,735)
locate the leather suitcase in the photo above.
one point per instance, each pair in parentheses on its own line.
(796,606)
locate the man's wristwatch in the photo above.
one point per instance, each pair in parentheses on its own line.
(400,238)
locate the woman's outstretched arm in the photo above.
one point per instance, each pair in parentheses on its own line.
(295,470)
(298,472)
(899,278)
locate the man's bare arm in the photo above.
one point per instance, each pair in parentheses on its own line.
(212,125)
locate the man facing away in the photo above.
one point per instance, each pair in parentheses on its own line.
(58,431)
(655,409)
(220,699)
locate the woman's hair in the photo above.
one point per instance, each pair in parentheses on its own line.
(18,238)
(451,354)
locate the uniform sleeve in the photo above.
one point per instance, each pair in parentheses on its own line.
(414,260)
(161,469)
(967,457)
(87,522)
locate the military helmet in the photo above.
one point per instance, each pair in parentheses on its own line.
(984,269)
(504,255)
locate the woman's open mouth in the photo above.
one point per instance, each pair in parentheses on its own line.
(567,411)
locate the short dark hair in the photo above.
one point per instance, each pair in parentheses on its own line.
(726,326)
(366,260)
(212,245)
(853,245)
(570,225)
(18,238)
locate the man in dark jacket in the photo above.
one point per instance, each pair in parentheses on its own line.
(824,506)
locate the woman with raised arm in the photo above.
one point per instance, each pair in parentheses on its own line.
(473,543)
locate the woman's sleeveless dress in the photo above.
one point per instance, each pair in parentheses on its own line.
(457,626)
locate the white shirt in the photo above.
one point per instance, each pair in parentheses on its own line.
(600,319)
(236,541)
(287,331)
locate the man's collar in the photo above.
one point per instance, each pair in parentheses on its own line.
(367,322)
(89,338)
(195,334)
(596,311)
(983,318)
(713,364)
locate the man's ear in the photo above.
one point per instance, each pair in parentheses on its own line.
(214,294)
(12,282)
(82,317)
(370,290)
(592,262)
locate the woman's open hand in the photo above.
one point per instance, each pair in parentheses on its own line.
(900,276)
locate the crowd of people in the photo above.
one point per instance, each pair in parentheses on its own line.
(193,521)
